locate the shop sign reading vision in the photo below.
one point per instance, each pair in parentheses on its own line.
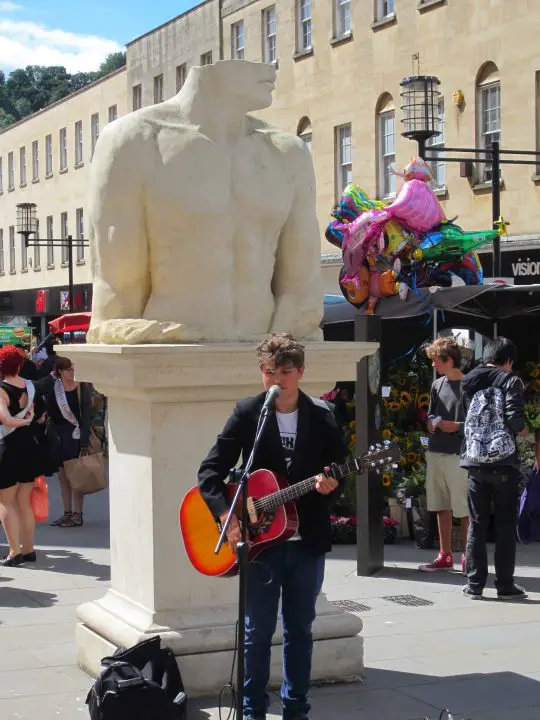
(521,265)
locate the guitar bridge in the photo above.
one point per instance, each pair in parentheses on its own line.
(252,513)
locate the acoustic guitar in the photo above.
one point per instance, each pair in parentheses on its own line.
(272,513)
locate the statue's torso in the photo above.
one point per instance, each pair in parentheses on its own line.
(214,215)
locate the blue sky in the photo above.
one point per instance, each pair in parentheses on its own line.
(76,34)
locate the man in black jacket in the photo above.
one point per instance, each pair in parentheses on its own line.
(494,481)
(300,439)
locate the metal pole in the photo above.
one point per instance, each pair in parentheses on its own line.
(70,271)
(421,147)
(496,203)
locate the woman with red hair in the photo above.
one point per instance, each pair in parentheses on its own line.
(21,458)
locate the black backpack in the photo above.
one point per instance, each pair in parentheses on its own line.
(141,683)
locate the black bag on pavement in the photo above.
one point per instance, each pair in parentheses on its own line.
(141,683)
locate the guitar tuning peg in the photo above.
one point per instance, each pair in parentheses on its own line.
(372,464)
(387,443)
(378,471)
(395,466)
(379,446)
(381,461)
(371,449)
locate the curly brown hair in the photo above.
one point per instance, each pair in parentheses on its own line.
(281,349)
(445,348)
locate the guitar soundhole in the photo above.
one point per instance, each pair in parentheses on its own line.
(264,524)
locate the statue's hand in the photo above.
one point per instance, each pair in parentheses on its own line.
(135,332)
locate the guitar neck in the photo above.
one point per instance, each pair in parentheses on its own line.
(293,492)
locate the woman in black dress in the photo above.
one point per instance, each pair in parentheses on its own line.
(21,457)
(69,407)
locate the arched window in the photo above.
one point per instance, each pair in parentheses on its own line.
(386,145)
(488,112)
(304,131)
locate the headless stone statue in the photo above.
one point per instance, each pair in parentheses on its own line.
(202,219)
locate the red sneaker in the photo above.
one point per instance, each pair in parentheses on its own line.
(443,562)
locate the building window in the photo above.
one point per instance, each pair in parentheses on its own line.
(181,75)
(48,156)
(137,97)
(2,267)
(50,246)
(384,9)
(113,113)
(386,141)
(304,25)
(35,161)
(489,119)
(237,40)
(79,215)
(37,254)
(304,132)
(94,130)
(63,149)
(1,175)
(63,236)
(343,158)
(11,172)
(78,143)
(22,166)
(206,58)
(435,144)
(158,89)
(24,255)
(343,17)
(12,268)
(269,35)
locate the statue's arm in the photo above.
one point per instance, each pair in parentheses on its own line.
(297,281)
(117,226)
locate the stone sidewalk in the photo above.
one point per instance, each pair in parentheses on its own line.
(480,659)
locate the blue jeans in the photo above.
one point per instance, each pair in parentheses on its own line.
(291,571)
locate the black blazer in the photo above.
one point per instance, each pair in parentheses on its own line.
(45,386)
(319,443)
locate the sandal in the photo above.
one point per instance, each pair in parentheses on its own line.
(77,519)
(65,521)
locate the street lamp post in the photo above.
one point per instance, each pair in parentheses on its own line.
(420,107)
(27,225)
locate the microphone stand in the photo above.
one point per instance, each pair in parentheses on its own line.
(242,559)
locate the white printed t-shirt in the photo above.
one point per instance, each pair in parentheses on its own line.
(288,424)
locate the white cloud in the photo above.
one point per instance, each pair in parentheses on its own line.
(10,7)
(28,43)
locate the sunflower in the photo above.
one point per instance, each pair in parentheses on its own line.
(423,401)
(386,480)
(394,406)
(404,398)
(401,381)
(535,373)
(352,424)
(411,457)
(386,434)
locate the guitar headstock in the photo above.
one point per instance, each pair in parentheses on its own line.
(380,457)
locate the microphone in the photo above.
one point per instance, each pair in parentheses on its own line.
(271,395)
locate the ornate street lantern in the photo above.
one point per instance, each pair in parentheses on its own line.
(420,98)
(27,223)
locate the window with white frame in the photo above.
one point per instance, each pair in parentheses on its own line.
(11,171)
(387,153)
(37,254)
(304,25)
(1,175)
(24,255)
(112,113)
(12,267)
(63,235)
(137,97)
(35,161)
(48,156)
(490,123)
(237,40)
(63,149)
(384,9)
(158,89)
(2,266)
(94,130)
(343,158)
(206,58)
(79,219)
(269,35)
(78,143)
(181,75)
(343,17)
(434,144)
(22,165)
(50,246)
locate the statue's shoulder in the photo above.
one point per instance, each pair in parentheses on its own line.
(145,123)
(285,142)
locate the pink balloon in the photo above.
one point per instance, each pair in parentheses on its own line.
(358,241)
(417,205)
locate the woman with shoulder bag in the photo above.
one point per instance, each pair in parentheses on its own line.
(69,406)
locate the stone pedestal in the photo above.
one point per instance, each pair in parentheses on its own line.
(166,405)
